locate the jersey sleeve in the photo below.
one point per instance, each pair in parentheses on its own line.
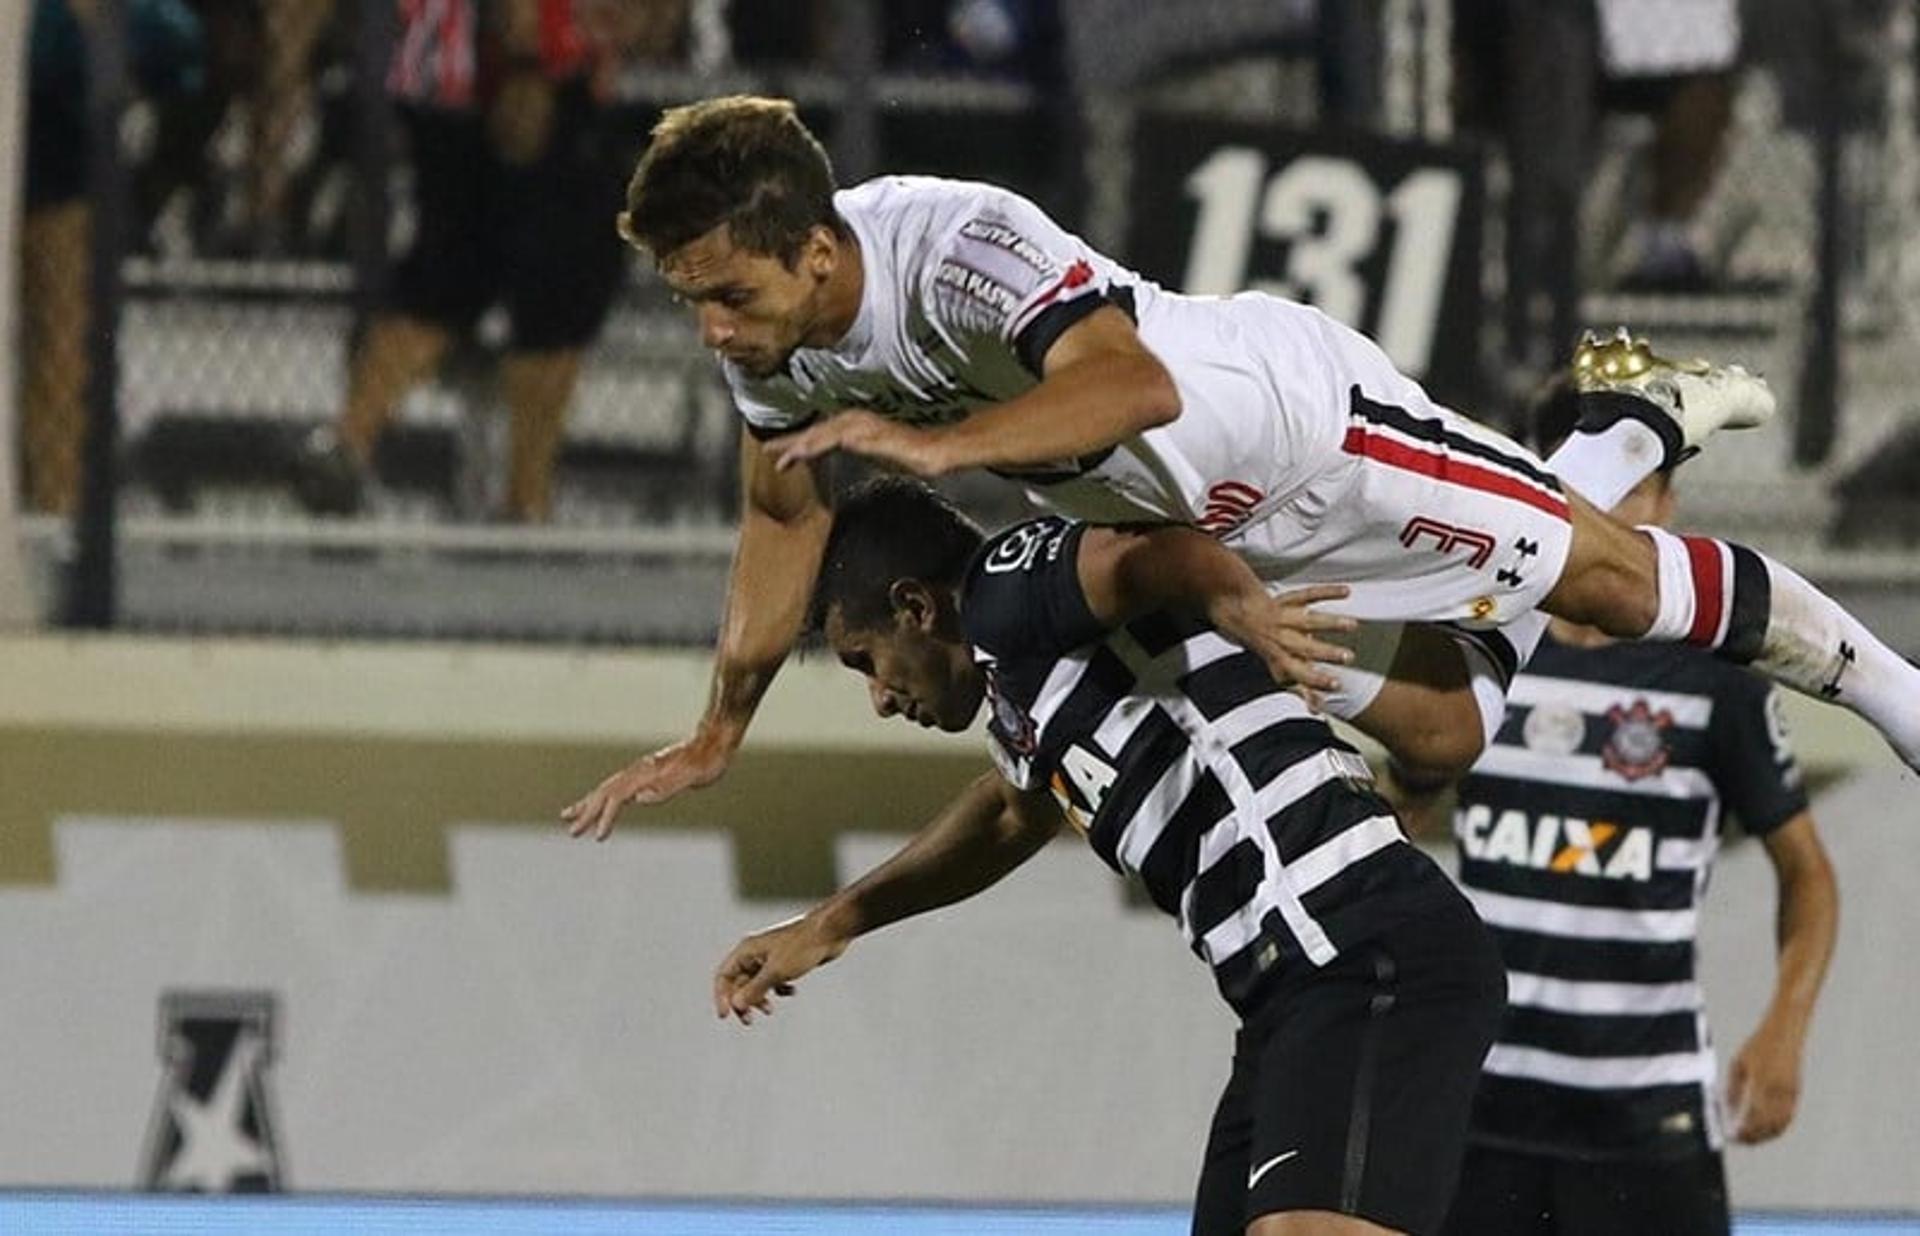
(1754,764)
(1022,597)
(766,414)
(1011,273)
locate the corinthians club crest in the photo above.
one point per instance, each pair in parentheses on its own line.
(1638,745)
(212,1129)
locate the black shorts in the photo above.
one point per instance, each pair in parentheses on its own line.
(1507,1193)
(538,239)
(1352,1085)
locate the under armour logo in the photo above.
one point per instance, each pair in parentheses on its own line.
(1831,688)
(1512,579)
(1526,548)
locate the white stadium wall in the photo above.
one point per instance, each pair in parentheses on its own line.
(464,1001)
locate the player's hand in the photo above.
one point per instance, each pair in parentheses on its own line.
(1763,1085)
(686,765)
(1284,631)
(867,434)
(767,964)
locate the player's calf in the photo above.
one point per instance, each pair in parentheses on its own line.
(1651,584)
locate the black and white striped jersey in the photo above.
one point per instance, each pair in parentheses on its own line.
(1586,834)
(1172,750)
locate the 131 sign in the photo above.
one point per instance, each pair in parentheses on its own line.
(1383,235)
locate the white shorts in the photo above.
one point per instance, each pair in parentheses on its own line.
(1426,514)
(1668,38)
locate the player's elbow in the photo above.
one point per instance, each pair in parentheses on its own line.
(1156,398)
(1433,756)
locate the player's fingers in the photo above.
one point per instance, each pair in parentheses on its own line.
(609,812)
(1320,620)
(585,814)
(1307,648)
(1313,594)
(753,992)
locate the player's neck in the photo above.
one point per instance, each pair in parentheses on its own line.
(841,296)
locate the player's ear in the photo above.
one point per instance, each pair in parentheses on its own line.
(913,604)
(820,252)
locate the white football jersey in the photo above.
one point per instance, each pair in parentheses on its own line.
(966,286)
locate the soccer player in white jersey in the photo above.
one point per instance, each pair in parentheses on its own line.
(1366,989)
(935,325)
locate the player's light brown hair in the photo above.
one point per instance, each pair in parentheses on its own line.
(741,160)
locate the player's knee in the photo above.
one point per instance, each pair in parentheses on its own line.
(1616,590)
(1442,753)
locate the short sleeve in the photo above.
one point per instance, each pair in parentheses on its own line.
(1754,764)
(1022,598)
(766,414)
(1011,273)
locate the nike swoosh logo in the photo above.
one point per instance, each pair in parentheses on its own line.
(1253,1177)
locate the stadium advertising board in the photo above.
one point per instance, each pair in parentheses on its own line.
(1383,235)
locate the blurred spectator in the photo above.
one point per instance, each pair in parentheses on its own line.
(779,33)
(518,173)
(56,232)
(259,82)
(1673,60)
(1009,38)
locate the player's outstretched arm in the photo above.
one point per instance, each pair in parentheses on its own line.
(1138,569)
(1763,1082)
(1099,386)
(983,834)
(784,522)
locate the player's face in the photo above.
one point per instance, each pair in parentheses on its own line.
(753,308)
(912,670)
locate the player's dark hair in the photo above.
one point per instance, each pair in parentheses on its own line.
(885,530)
(741,160)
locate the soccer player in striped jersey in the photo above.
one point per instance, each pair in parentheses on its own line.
(1586,833)
(1122,703)
(933,325)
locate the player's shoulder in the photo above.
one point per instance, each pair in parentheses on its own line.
(935,207)
(996,597)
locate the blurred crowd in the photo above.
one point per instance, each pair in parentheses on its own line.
(517,121)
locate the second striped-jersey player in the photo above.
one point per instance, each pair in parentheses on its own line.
(1586,835)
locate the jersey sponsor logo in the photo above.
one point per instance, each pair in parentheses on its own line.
(976,285)
(1554,729)
(1565,845)
(1004,237)
(1025,546)
(1446,538)
(1230,504)
(1080,785)
(1637,747)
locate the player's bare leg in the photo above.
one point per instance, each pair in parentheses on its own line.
(1647,583)
(1442,699)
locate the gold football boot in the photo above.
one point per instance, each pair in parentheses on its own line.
(1701,398)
